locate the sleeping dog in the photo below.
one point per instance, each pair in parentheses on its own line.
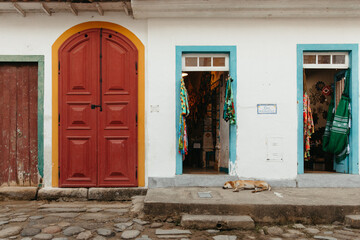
(258,186)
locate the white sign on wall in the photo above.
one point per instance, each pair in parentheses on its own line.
(267,109)
(274,149)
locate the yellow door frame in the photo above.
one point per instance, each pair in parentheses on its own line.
(141,94)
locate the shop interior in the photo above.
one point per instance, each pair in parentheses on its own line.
(208,132)
(320,86)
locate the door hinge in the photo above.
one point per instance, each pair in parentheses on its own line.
(136,172)
(59,172)
(136,66)
(136,119)
(59,120)
(59,67)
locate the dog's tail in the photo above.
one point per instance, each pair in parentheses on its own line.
(269,188)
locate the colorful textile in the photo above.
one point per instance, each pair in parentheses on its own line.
(184,112)
(338,139)
(308,125)
(229,108)
(329,122)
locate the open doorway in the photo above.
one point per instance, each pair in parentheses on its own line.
(208,132)
(319,87)
(323,88)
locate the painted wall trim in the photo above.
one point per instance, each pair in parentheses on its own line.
(231,50)
(39,59)
(141,93)
(354,94)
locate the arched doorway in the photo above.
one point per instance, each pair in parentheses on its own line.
(97,105)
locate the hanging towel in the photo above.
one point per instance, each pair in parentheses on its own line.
(229,108)
(337,141)
(184,112)
(308,125)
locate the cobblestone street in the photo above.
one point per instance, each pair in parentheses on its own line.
(124,220)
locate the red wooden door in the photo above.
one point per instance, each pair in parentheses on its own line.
(18,124)
(98,107)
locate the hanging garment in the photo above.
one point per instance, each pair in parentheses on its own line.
(308,125)
(329,122)
(184,112)
(338,139)
(229,108)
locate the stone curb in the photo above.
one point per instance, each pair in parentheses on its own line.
(115,194)
(70,194)
(260,213)
(18,193)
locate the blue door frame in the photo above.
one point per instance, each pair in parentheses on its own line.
(180,50)
(352,49)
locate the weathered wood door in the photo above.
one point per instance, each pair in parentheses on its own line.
(18,123)
(98,110)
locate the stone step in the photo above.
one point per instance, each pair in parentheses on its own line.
(217,222)
(279,206)
(353,221)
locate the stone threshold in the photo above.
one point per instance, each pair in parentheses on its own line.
(307,180)
(70,194)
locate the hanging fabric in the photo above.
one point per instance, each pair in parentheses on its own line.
(329,122)
(308,125)
(229,108)
(184,112)
(337,141)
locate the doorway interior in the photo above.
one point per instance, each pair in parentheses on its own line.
(323,82)
(208,132)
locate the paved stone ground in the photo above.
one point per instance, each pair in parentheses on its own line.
(124,220)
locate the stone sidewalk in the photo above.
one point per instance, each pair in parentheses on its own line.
(281,205)
(42,220)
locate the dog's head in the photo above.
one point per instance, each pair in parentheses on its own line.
(228,184)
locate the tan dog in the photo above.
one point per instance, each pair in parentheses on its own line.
(258,186)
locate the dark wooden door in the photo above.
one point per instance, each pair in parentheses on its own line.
(98,107)
(18,124)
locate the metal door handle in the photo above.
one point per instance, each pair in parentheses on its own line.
(93,106)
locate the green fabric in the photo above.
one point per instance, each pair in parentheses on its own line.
(229,108)
(329,122)
(339,138)
(337,141)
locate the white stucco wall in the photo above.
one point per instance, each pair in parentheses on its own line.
(266,69)
(35,34)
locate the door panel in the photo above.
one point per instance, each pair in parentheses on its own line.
(117,115)
(22,110)
(18,123)
(117,133)
(79,75)
(79,150)
(98,147)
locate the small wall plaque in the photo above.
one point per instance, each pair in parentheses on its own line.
(274,148)
(267,109)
